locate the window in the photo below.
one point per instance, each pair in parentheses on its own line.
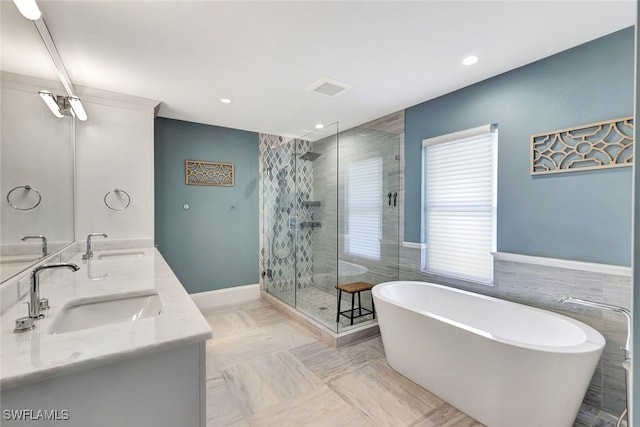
(364,208)
(459,203)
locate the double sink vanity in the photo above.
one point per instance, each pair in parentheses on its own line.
(121,343)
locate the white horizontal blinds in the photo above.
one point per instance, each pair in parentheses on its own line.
(460,204)
(364,208)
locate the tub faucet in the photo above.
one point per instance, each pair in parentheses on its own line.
(89,253)
(44,242)
(34,306)
(600,305)
(627,350)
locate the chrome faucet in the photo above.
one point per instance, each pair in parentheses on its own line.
(44,242)
(626,364)
(34,306)
(602,306)
(89,253)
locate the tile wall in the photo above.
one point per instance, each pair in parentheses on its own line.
(285,181)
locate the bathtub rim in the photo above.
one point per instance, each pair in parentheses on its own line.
(594,340)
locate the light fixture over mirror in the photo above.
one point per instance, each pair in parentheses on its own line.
(52,102)
(77,108)
(29,9)
(60,106)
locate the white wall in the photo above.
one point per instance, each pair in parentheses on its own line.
(114,149)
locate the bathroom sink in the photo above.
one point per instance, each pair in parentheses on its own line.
(107,310)
(118,255)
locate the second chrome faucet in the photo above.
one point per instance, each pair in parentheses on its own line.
(89,253)
(41,238)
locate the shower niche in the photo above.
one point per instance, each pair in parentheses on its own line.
(324,218)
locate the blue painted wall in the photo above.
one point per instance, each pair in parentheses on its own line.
(210,245)
(583,216)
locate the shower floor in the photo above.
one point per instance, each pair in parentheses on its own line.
(322,306)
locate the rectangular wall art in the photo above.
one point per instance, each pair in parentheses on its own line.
(197,172)
(601,145)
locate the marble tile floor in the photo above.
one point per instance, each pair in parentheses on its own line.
(322,307)
(264,369)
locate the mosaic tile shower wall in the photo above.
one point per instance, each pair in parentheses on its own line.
(285,181)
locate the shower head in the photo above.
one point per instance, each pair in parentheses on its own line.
(311,156)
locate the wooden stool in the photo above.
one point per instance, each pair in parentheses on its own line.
(355,288)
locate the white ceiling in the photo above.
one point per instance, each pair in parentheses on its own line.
(263,54)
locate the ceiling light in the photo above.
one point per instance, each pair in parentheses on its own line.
(225,100)
(78,108)
(52,102)
(319,126)
(470,60)
(29,9)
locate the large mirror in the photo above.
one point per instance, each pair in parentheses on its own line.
(36,151)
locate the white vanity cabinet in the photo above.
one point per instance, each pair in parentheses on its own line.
(165,388)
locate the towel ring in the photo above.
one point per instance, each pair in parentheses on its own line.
(117,191)
(26,188)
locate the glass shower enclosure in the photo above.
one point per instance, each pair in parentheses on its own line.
(330,215)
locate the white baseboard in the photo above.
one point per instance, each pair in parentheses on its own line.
(237,294)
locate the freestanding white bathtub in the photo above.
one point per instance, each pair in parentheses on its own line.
(504,364)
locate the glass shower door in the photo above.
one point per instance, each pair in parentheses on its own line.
(316,198)
(330,216)
(369,212)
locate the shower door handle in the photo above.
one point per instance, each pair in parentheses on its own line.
(389,195)
(395,198)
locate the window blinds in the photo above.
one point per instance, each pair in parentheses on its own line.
(364,208)
(460,204)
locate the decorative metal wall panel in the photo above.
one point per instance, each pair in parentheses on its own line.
(198,172)
(601,145)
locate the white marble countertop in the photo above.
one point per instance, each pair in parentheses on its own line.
(36,355)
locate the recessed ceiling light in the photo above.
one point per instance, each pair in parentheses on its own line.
(470,60)
(225,100)
(319,126)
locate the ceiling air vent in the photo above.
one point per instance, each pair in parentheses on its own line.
(328,87)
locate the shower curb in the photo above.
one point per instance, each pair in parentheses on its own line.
(327,336)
